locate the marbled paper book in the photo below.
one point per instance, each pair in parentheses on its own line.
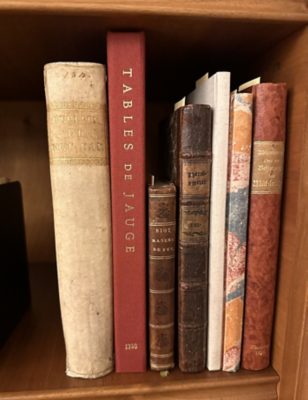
(236,226)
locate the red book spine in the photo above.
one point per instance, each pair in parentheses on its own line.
(264,222)
(126,93)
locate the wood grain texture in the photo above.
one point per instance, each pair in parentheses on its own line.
(211,45)
(288,62)
(249,9)
(24,157)
(32,364)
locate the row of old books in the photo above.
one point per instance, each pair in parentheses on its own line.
(197,222)
(215,138)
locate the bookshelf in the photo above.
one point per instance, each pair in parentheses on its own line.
(267,38)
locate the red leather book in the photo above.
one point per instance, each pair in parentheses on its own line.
(126,93)
(264,221)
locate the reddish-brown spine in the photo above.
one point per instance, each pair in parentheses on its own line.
(126,92)
(264,221)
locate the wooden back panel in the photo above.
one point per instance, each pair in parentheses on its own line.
(24,157)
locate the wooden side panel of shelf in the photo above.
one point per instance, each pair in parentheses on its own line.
(289,62)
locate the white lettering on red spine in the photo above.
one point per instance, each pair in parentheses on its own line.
(131,346)
(127,103)
(128,167)
(128,146)
(127,118)
(126,88)
(131,195)
(128,207)
(130,221)
(128,72)
(128,132)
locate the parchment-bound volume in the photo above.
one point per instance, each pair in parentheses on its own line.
(264,221)
(215,91)
(191,171)
(79,170)
(236,225)
(162,246)
(126,95)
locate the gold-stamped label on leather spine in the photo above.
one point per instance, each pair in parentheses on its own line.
(193,223)
(77,133)
(267,167)
(195,177)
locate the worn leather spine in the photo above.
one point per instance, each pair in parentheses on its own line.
(191,149)
(162,247)
(236,226)
(215,91)
(79,171)
(264,222)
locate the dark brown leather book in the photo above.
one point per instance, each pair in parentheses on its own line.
(162,241)
(14,282)
(264,222)
(191,155)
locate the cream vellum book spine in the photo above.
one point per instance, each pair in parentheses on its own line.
(80,181)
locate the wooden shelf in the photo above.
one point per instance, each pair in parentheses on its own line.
(283,10)
(247,37)
(32,363)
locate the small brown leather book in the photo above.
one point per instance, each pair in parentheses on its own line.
(264,222)
(191,155)
(162,241)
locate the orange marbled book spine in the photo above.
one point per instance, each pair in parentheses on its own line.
(236,226)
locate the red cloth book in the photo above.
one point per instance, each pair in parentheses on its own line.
(126,95)
(264,222)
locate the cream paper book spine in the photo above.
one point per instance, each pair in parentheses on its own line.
(79,169)
(215,91)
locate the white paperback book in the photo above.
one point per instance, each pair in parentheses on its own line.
(215,91)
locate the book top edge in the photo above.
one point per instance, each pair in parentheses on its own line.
(126,33)
(193,106)
(220,73)
(75,64)
(271,84)
(162,184)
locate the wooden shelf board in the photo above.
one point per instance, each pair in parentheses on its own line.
(283,10)
(32,363)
